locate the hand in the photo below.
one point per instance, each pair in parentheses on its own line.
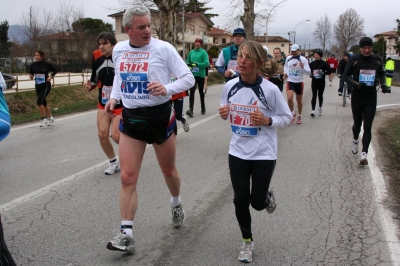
(224,112)
(109,107)
(384,88)
(48,79)
(258,118)
(88,86)
(285,76)
(301,65)
(156,89)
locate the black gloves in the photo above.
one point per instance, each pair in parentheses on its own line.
(385,88)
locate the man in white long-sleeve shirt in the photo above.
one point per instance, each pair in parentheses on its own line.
(295,67)
(143,68)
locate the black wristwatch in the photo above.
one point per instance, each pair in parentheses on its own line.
(270,122)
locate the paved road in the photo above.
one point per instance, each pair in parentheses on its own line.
(59,208)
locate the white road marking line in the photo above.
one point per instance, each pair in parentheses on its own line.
(30,196)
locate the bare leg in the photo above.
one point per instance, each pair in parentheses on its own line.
(290,95)
(299,100)
(103,127)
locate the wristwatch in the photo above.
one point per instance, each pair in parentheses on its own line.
(270,122)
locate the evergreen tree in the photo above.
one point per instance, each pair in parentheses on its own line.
(4,43)
(194,6)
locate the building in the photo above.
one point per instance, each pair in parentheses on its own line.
(391,38)
(274,42)
(220,36)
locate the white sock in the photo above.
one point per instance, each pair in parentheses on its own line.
(128,231)
(175,201)
(113,160)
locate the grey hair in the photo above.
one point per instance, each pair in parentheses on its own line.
(135,10)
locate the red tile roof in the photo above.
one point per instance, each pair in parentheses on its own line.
(387,33)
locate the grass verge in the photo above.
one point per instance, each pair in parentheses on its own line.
(63,101)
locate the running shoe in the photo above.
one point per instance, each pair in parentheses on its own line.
(205,91)
(112,169)
(43,122)
(349,95)
(246,252)
(319,111)
(312,114)
(178,215)
(339,93)
(294,117)
(363,159)
(299,121)
(51,120)
(354,147)
(203,110)
(189,113)
(185,125)
(122,242)
(271,201)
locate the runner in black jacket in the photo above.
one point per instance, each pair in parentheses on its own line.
(319,69)
(340,70)
(366,69)
(40,71)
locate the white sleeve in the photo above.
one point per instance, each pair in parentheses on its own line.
(220,61)
(283,114)
(176,65)
(306,66)
(224,96)
(3,85)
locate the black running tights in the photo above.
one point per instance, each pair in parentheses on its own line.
(200,83)
(250,181)
(317,89)
(363,106)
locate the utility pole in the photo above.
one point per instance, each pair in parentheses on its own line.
(183,30)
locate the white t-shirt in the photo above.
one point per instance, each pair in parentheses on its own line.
(250,142)
(294,71)
(137,67)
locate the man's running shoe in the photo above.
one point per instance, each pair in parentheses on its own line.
(349,95)
(363,159)
(185,125)
(43,122)
(189,113)
(312,114)
(51,120)
(178,215)
(246,252)
(319,111)
(122,242)
(299,121)
(294,117)
(339,93)
(271,201)
(112,169)
(354,146)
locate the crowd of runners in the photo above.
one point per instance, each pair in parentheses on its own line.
(142,83)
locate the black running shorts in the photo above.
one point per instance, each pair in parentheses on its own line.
(153,124)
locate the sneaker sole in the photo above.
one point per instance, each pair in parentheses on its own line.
(245,261)
(115,248)
(271,209)
(116,171)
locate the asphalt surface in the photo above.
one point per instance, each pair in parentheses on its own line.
(58,207)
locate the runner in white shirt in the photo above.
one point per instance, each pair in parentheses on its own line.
(255,108)
(295,67)
(143,68)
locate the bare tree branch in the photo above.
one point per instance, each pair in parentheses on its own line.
(348,28)
(323,31)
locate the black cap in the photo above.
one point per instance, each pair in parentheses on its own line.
(365,41)
(239,31)
(319,52)
(346,54)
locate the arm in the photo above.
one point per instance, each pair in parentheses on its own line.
(176,66)
(53,68)
(205,61)
(220,63)
(306,66)
(348,71)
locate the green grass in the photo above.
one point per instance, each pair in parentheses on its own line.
(63,101)
(391,133)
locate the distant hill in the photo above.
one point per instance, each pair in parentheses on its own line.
(15,33)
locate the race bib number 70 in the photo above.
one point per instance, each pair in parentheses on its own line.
(241,124)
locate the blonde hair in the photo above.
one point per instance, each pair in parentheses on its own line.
(259,57)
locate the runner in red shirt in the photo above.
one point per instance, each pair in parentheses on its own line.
(333,63)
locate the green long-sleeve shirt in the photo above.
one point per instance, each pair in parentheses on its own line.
(200,57)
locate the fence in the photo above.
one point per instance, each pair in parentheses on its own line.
(23,82)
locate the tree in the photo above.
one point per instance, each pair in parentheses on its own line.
(397,47)
(355,49)
(194,6)
(4,43)
(348,28)
(323,31)
(380,46)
